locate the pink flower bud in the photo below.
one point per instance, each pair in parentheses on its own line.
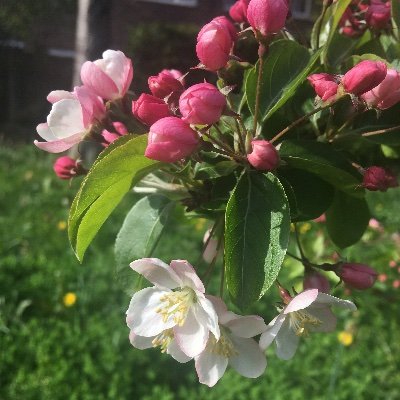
(149,109)
(357,276)
(238,12)
(214,43)
(65,167)
(110,137)
(264,155)
(109,77)
(267,16)
(378,178)
(165,83)
(202,104)
(386,94)
(228,25)
(325,85)
(170,140)
(378,14)
(314,280)
(364,76)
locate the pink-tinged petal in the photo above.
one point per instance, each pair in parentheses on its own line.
(157,272)
(192,336)
(206,315)
(301,301)
(326,299)
(210,367)
(286,341)
(187,274)
(65,118)
(143,317)
(247,326)
(57,95)
(58,146)
(92,105)
(250,360)
(272,331)
(45,132)
(140,342)
(218,304)
(176,353)
(325,316)
(94,78)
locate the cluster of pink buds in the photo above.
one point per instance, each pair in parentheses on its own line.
(371,81)
(359,16)
(67,168)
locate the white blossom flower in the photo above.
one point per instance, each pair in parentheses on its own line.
(234,347)
(175,304)
(307,312)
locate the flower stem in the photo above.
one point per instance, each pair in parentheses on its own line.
(261,52)
(380,131)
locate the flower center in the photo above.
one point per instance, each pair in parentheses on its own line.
(224,346)
(301,321)
(177,304)
(163,340)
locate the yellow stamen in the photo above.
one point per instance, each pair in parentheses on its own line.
(163,340)
(301,321)
(223,347)
(177,305)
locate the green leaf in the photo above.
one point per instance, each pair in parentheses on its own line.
(257,228)
(347,219)
(284,69)
(313,196)
(322,160)
(396,18)
(336,11)
(109,179)
(139,236)
(340,49)
(206,170)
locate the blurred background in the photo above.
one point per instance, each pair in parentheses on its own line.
(62,324)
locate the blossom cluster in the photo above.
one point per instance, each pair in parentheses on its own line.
(178,317)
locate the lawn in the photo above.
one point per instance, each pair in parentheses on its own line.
(54,348)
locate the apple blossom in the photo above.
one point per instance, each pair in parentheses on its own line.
(110,76)
(264,156)
(170,139)
(364,76)
(307,312)
(267,16)
(149,109)
(71,116)
(65,167)
(166,82)
(238,11)
(234,347)
(378,179)
(177,302)
(378,14)
(325,85)
(202,104)
(357,276)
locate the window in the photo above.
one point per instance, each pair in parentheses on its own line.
(301,9)
(183,3)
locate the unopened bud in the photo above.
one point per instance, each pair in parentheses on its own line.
(264,156)
(314,280)
(357,276)
(378,178)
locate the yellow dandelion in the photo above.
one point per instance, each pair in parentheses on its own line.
(69,299)
(62,225)
(346,338)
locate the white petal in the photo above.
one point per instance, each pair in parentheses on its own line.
(250,361)
(143,317)
(273,328)
(326,316)
(247,326)
(286,341)
(176,353)
(188,275)
(65,118)
(324,298)
(192,336)
(301,301)
(45,132)
(157,272)
(57,95)
(113,65)
(218,304)
(140,342)
(210,367)
(206,315)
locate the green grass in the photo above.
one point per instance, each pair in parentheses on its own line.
(51,352)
